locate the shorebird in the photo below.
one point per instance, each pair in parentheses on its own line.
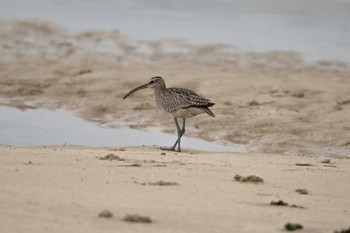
(178,102)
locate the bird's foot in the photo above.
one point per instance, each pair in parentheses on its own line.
(169,149)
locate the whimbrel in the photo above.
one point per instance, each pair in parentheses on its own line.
(178,102)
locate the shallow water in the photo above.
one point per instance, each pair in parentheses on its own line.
(319,29)
(38,127)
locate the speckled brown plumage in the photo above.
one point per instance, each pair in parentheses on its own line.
(171,100)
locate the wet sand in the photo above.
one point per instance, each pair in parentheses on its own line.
(274,103)
(271,102)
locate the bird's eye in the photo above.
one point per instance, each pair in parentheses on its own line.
(151,81)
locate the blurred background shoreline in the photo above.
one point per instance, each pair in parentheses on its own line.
(318,29)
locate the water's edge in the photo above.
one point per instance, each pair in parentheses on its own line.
(39,127)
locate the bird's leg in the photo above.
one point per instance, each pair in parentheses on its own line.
(178,136)
(180,132)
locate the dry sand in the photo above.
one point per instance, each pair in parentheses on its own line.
(274,103)
(63,189)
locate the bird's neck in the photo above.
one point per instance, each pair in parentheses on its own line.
(157,92)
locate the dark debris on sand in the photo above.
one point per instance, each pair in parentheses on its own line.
(282,203)
(131,165)
(302,191)
(111,157)
(293,226)
(303,164)
(159,183)
(249,179)
(328,161)
(135,218)
(105,214)
(343,231)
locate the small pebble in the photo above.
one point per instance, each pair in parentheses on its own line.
(302,191)
(326,161)
(293,226)
(105,214)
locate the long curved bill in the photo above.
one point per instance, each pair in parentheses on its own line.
(136,89)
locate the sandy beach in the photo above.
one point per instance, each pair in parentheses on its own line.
(292,116)
(63,189)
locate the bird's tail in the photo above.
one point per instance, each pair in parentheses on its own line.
(207,111)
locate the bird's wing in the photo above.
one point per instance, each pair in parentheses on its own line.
(179,98)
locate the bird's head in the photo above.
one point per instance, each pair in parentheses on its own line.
(155,82)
